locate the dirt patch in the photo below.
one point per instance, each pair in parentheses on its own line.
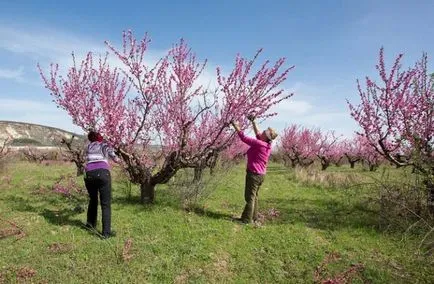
(186,274)
(268,215)
(60,247)
(220,265)
(6,180)
(9,232)
(225,204)
(181,278)
(126,250)
(323,276)
(25,273)
(9,229)
(217,271)
(41,190)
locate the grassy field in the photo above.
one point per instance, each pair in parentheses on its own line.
(309,234)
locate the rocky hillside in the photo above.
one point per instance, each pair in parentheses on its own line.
(27,134)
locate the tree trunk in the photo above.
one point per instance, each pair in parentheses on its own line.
(80,169)
(198,173)
(325,163)
(147,193)
(212,163)
(149,181)
(430,190)
(372,168)
(211,170)
(324,166)
(352,164)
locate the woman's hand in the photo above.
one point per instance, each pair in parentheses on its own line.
(123,154)
(251,117)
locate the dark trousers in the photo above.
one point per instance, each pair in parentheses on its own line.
(99,182)
(253,183)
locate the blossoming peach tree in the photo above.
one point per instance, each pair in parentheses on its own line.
(158,116)
(300,145)
(396,116)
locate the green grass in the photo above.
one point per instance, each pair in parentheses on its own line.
(171,245)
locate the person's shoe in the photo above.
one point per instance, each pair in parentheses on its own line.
(109,235)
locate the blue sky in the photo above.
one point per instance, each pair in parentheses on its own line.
(332,43)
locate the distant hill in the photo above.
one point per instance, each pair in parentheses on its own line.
(28,134)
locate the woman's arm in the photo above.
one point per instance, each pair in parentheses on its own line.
(235,126)
(255,127)
(110,152)
(249,141)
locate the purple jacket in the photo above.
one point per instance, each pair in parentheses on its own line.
(97,154)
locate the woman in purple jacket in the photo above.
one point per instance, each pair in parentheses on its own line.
(98,181)
(257,159)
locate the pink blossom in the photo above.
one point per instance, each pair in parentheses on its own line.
(142,104)
(396,116)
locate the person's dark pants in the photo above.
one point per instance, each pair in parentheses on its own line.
(99,182)
(253,183)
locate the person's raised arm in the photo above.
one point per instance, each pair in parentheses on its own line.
(249,141)
(255,127)
(235,126)
(111,153)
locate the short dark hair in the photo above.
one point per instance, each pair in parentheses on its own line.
(92,136)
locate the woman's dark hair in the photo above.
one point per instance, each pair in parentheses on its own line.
(92,136)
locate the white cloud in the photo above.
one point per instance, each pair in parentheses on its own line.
(13,105)
(317,118)
(47,45)
(43,42)
(208,78)
(13,74)
(315,107)
(293,107)
(340,122)
(36,112)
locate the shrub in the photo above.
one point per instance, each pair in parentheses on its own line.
(191,193)
(75,194)
(403,202)
(312,176)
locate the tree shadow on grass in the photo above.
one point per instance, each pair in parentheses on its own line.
(209,213)
(126,200)
(64,218)
(18,203)
(59,217)
(135,203)
(320,213)
(165,199)
(323,214)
